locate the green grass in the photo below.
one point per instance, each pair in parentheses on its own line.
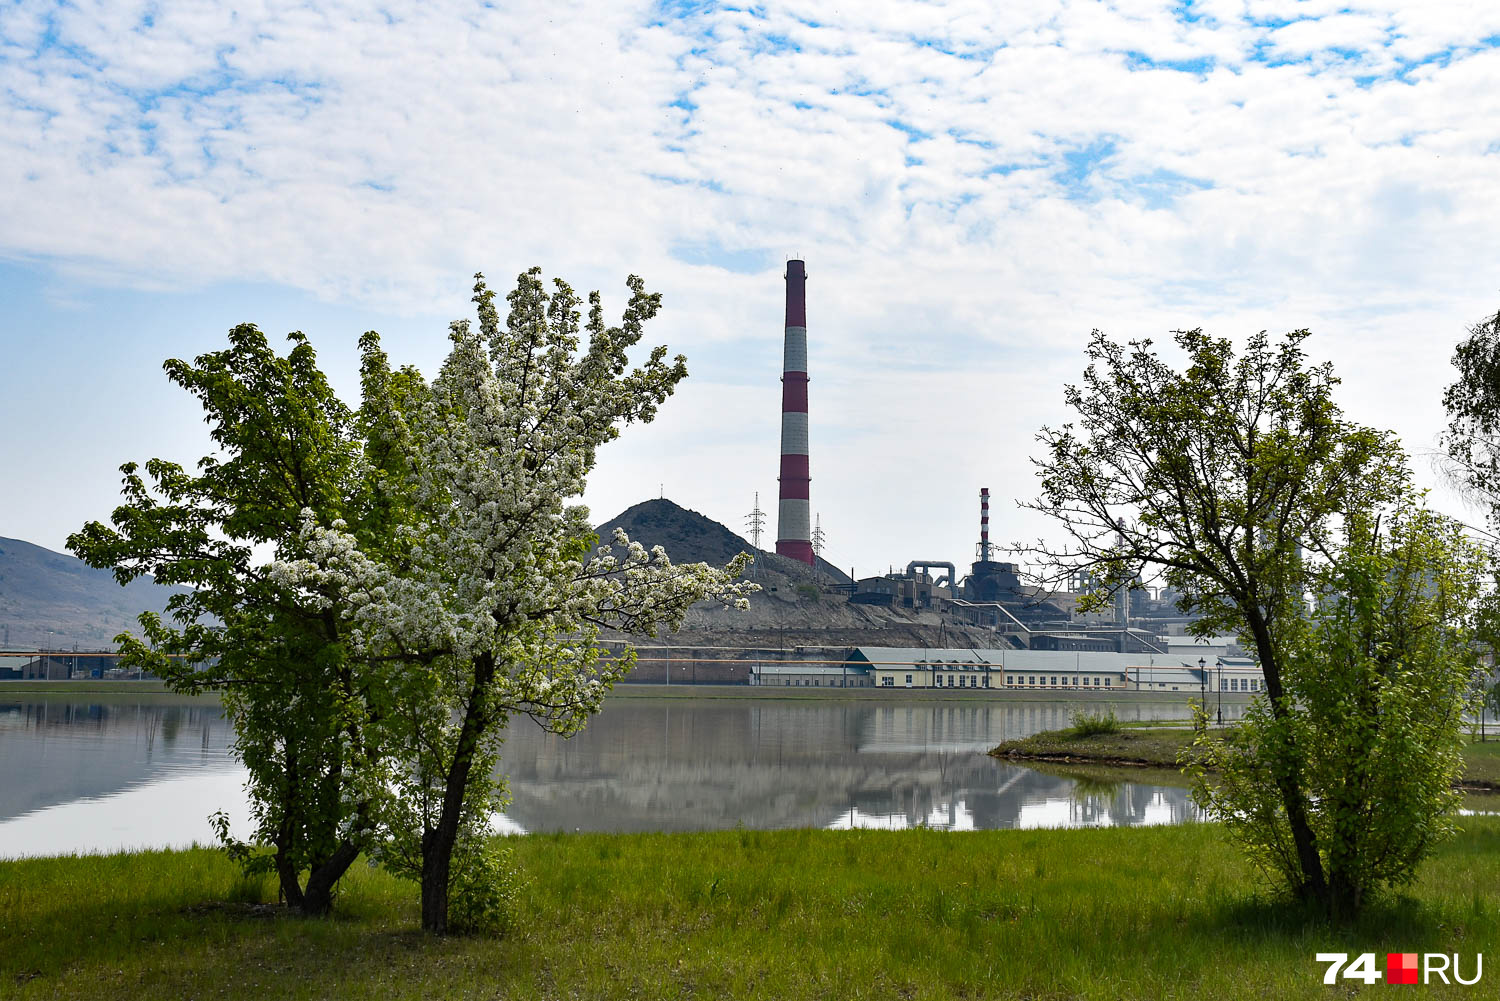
(1095,723)
(82,686)
(1117,913)
(1482,762)
(1158,745)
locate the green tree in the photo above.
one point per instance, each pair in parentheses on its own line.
(1219,477)
(1471,443)
(1472,438)
(306,724)
(492,606)
(1379,674)
(1488,696)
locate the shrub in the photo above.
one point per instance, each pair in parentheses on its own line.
(1088,723)
(484,889)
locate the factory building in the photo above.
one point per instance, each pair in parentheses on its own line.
(790,674)
(910,667)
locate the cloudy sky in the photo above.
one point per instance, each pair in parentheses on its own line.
(975,186)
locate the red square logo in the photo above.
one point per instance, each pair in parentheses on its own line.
(1401,967)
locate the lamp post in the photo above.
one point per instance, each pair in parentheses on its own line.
(1203,684)
(1221,693)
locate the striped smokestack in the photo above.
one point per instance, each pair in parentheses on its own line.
(984,524)
(794,521)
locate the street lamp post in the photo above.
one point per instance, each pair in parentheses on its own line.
(1221,693)
(1203,684)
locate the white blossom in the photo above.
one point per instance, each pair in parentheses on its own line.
(494,579)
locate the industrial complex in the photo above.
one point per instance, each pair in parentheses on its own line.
(929,626)
(991,597)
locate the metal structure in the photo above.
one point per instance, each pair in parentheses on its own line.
(926,567)
(756,519)
(794,521)
(817,536)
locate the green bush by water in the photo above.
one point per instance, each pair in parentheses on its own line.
(1093,723)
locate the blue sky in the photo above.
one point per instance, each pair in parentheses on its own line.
(974,186)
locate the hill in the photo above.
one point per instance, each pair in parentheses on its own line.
(797,605)
(690,537)
(55,601)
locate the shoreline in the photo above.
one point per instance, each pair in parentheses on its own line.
(1157,747)
(656,690)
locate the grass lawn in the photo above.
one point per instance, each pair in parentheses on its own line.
(1165,913)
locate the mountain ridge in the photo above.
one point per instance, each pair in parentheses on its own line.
(56,601)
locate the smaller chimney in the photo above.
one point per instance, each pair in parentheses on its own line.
(984,525)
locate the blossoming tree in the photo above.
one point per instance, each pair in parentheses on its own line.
(491,601)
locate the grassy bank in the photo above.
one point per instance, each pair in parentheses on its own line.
(1158,747)
(1120,913)
(82,686)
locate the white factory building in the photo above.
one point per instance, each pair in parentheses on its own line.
(915,667)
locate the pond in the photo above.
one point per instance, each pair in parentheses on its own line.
(101,773)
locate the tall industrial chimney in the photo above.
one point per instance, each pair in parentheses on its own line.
(984,524)
(794,521)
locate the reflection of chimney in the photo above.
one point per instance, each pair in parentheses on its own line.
(794,522)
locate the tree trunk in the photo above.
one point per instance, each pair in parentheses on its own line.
(317,898)
(438,842)
(291,884)
(1344,898)
(1314,887)
(437,857)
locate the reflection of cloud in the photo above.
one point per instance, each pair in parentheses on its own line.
(56,751)
(166,814)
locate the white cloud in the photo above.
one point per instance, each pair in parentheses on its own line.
(923,157)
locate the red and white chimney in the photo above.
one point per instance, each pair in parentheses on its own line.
(984,524)
(794,519)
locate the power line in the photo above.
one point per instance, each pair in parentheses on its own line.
(757,521)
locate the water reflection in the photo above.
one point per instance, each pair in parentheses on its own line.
(647,765)
(118,772)
(122,772)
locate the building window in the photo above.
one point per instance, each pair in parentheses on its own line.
(908,679)
(888,681)
(986,681)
